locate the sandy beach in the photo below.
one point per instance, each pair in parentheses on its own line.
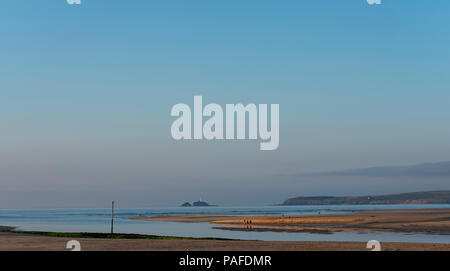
(31,242)
(436,221)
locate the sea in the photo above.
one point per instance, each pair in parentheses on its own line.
(99,220)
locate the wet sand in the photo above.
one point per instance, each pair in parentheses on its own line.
(30,242)
(436,221)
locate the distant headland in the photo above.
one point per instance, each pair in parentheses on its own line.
(430,197)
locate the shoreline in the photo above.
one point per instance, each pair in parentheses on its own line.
(33,241)
(428,221)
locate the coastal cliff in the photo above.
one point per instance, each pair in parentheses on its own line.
(431,197)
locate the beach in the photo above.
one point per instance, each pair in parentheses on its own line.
(32,242)
(433,221)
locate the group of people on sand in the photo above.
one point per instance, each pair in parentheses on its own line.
(248,223)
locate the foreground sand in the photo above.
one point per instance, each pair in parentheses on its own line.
(13,241)
(432,221)
(436,221)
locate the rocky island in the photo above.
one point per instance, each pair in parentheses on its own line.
(199,203)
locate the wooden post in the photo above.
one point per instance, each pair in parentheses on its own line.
(112,218)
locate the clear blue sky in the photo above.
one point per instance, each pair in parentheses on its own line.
(86,92)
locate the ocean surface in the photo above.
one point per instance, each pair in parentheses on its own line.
(98,220)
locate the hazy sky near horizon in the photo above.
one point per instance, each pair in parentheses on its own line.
(86,92)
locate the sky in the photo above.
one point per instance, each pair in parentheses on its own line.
(86,92)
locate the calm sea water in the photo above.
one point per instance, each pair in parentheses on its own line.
(98,220)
